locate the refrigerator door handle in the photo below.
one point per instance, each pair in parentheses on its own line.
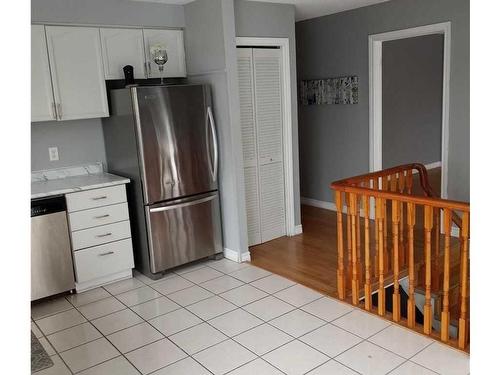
(215,165)
(184,204)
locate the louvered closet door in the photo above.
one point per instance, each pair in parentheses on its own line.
(249,140)
(268,115)
(262,137)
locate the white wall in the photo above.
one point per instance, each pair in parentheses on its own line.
(211,58)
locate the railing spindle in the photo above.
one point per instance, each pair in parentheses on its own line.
(445,314)
(464,252)
(354,214)
(411,265)
(435,260)
(379,217)
(358,240)
(385,185)
(402,252)
(340,247)
(409,181)
(396,298)
(368,286)
(427,249)
(349,243)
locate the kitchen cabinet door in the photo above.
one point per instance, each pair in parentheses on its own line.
(42,97)
(122,47)
(77,72)
(174,41)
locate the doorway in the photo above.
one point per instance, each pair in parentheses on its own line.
(404,109)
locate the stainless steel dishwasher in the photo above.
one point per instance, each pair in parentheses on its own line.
(51,258)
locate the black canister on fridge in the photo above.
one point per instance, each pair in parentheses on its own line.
(128,71)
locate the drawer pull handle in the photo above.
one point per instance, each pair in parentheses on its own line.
(99,198)
(108,253)
(104,235)
(101,216)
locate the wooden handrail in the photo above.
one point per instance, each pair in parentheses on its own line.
(423,179)
(396,252)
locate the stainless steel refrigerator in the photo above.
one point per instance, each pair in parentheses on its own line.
(164,139)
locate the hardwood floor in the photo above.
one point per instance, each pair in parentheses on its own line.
(309,258)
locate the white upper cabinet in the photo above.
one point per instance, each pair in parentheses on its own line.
(77,72)
(122,47)
(42,98)
(174,41)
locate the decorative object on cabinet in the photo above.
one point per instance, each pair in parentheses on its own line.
(160,57)
(173,40)
(341,90)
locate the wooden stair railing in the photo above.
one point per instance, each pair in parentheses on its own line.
(402,232)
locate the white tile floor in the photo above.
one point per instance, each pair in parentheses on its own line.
(221,317)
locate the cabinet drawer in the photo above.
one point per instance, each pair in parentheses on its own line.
(96,198)
(99,235)
(98,216)
(103,260)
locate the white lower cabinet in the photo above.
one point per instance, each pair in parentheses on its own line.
(100,261)
(100,236)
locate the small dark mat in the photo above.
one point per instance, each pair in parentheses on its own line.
(39,358)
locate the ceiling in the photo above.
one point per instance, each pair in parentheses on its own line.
(304,9)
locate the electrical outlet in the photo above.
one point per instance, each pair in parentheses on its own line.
(53,154)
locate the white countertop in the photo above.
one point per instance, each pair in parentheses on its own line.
(72,184)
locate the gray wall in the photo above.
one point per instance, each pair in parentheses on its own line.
(334,139)
(211,58)
(82,140)
(78,142)
(254,19)
(412,87)
(108,12)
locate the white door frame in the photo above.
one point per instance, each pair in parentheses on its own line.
(375,80)
(283,44)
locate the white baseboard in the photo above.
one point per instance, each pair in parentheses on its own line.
(298,229)
(235,255)
(326,205)
(245,257)
(91,284)
(321,204)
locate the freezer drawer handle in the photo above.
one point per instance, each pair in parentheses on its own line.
(99,198)
(185,204)
(104,235)
(108,253)
(101,216)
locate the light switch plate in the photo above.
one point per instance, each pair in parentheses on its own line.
(53,154)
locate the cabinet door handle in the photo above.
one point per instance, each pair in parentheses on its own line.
(101,216)
(104,235)
(149,68)
(108,253)
(59,110)
(54,111)
(99,198)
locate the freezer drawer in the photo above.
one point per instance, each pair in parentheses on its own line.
(183,230)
